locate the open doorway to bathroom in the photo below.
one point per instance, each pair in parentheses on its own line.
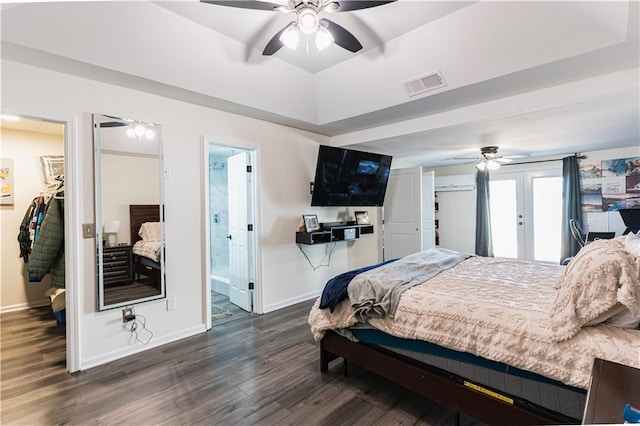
(231,232)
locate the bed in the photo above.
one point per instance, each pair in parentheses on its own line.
(506,342)
(146,244)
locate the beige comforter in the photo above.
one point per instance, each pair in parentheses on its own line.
(498,309)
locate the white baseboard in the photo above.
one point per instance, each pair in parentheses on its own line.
(24,306)
(292,301)
(128,351)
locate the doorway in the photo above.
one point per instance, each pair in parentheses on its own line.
(32,188)
(526,215)
(230,224)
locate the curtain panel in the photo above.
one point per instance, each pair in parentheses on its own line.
(571,205)
(484,243)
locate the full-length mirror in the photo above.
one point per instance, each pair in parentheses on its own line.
(129,214)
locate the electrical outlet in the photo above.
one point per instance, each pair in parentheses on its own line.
(127,315)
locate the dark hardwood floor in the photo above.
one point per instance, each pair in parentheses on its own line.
(250,370)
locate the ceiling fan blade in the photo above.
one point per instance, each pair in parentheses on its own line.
(257,5)
(503,160)
(347,5)
(275,44)
(341,36)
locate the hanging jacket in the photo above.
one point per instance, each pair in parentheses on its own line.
(24,236)
(47,254)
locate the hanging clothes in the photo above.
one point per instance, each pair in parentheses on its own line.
(47,251)
(24,235)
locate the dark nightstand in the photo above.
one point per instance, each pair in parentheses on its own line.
(612,387)
(117,266)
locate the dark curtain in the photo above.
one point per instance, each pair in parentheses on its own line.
(571,205)
(484,244)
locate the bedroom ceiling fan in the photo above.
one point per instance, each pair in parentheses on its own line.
(307,21)
(490,160)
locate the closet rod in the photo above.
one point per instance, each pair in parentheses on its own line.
(580,157)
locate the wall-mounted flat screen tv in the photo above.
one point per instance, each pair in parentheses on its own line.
(349,178)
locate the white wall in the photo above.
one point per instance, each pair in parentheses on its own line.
(131,180)
(25,149)
(285,163)
(457,209)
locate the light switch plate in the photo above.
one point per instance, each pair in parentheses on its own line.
(88,230)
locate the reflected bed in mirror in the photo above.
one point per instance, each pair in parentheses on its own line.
(129,218)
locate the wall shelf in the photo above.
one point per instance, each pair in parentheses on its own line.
(330,234)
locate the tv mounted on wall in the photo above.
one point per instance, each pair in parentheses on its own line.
(349,178)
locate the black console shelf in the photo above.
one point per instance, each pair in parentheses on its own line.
(330,233)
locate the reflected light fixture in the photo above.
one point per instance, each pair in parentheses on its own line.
(140,131)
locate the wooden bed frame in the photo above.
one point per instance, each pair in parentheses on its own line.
(434,384)
(139,214)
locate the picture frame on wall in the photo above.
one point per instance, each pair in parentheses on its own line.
(52,167)
(362,218)
(311,223)
(6,182)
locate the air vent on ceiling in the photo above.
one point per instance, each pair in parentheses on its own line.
(424,83)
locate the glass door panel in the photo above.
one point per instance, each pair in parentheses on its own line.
(547,218)
(504,218)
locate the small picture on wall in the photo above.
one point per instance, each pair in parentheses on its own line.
(310,222)
(362,218)
(6,181)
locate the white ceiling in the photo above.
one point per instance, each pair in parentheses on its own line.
(541,78)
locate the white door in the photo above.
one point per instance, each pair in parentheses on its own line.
(403,213)
(238,186)
(428,210)
(526,215)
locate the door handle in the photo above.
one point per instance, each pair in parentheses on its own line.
(229,236)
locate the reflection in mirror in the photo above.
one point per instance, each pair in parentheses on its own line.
(129,214)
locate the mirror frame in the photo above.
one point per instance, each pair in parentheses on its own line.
(99,121)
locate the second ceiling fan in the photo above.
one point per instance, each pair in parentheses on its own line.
(307,21)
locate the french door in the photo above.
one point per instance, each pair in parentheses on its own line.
(526,215)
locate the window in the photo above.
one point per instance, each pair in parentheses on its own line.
(526,214)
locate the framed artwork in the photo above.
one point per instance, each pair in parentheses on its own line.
(52,167)
(311,222)
(362,218)
(6,182)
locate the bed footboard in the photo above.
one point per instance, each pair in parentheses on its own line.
(435,384)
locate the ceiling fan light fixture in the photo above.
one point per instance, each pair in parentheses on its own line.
(290,37)
(308,20)
(324,38)
(493,165)
(488,164)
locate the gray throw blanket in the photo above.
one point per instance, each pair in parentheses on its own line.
(376,293)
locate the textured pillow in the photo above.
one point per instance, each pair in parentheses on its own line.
(600,276)
(150,231)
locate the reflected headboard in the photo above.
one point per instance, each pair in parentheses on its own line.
(139,214)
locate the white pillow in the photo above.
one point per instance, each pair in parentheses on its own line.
(632,244)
